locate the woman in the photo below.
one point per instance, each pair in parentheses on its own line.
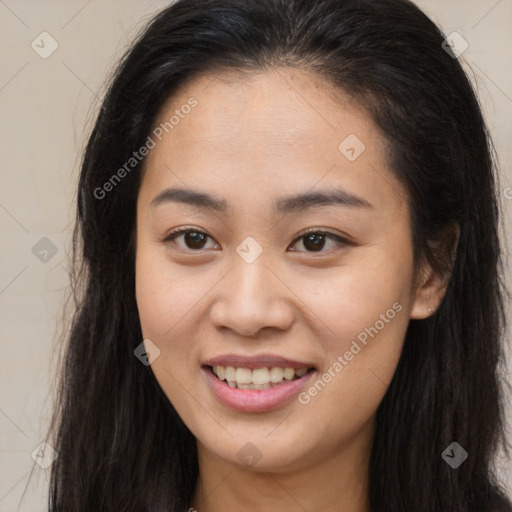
(287,249)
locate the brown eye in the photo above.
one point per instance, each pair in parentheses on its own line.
(315,241)
(195,240)
(192,239)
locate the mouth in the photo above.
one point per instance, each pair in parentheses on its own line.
(256,384)
(257,378)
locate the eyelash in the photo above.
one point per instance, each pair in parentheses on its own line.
(337,238)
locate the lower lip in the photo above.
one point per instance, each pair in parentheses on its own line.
(255,400)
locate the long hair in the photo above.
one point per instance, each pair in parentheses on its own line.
(121,445)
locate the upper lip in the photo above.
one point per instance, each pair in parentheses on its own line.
(260,361)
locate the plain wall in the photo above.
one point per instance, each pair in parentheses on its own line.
(47,107)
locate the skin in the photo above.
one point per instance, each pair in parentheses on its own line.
(250,140)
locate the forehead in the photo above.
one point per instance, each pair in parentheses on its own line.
(278,106)
(282,128)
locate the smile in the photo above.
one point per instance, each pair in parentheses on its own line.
(256,384)
(257,378)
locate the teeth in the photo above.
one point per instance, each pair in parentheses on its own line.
(254,386)
(243,376)
(230,373)
(289,373)
(276,375)
(259,378)
(220,371)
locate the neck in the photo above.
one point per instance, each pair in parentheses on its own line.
(338,481)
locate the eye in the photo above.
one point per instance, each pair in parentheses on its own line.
(314,240)
(192,238)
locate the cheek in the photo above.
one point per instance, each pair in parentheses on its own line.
(366,307)
(164,294)
(163,314)
(366,292)
(360,361)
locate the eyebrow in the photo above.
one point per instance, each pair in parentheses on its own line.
(283,205)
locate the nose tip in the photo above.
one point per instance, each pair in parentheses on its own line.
(251,321)
(250,300)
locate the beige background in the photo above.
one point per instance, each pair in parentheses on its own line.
(47,107)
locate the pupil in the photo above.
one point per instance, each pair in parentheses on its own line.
(315,238)
(194,238)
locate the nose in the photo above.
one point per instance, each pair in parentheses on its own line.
(251,298)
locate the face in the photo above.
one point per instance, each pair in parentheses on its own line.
(290,275)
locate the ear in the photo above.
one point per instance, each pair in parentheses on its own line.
(431,284)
